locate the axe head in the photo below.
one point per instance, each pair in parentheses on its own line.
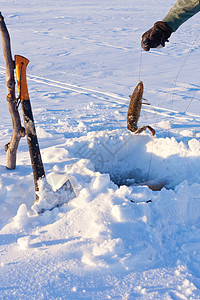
(21,65)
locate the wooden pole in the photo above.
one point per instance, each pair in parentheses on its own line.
(18,130)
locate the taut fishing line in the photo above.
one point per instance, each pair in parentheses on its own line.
(139,73)
(173,84)
(140,65)
(194,44)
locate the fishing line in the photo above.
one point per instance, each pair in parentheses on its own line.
(151,155)
(190,102)
(196,41)
(194,44)
(140,64)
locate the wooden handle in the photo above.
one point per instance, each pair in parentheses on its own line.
(21,65)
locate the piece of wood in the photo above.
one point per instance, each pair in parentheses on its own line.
(18,130)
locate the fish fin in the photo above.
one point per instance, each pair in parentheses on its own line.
(140,129)
(153,132)
(143,128)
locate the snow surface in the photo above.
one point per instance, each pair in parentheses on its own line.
(117,239)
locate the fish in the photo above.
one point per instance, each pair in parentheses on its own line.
(134,110)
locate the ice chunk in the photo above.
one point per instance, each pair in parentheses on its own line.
(57,180)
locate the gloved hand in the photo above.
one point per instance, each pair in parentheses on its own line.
(157,35)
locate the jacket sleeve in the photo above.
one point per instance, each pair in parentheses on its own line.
(181,12)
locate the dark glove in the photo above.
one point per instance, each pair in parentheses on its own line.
(157,35)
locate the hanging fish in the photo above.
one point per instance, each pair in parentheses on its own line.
(134,109)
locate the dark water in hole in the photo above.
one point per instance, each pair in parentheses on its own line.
(137,177)
(129,178)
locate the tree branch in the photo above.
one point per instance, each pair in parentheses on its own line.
(18,130)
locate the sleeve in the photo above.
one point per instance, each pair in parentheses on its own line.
(181,12)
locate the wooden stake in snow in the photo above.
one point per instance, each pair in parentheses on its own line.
(18,130)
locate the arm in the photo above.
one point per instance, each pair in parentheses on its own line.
(181,12)
(161,31)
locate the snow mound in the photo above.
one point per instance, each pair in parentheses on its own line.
(21,219)
(139,159)
(116,228)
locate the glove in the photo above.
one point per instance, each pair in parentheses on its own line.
(156,36)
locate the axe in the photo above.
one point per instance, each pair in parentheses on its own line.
(59,181)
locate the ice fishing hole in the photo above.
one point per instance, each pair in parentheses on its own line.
(137,178)
(138,159)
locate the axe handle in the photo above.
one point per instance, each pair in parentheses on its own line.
(34,150)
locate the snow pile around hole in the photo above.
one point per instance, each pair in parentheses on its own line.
(114,228)
(105,230)
(130,158)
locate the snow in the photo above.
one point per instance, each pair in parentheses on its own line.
(129,227)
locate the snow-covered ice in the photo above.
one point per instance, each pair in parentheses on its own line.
(117,236)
